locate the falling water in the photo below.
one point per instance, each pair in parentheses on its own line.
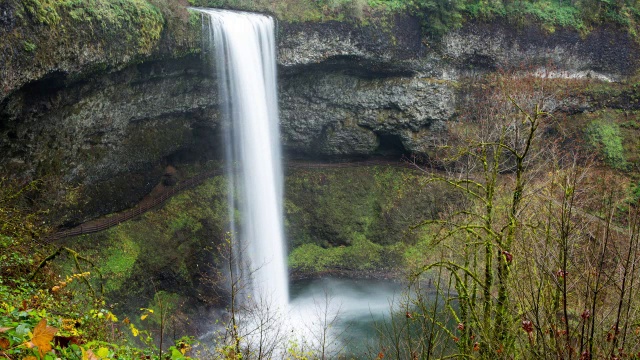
(243,46)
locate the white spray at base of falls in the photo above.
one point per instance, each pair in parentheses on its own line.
(245,58)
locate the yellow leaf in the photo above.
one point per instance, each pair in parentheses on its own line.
(144,316)
(103,352)
(42,336)
(183,350)
(134,331)
(112,317)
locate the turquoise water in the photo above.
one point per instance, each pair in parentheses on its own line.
(352,310)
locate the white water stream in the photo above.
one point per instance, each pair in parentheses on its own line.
(242,48)
(245,59)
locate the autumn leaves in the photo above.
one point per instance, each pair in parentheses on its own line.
(40,339)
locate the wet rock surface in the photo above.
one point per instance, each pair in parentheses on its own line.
(605,53)
(325,114)
(110,135)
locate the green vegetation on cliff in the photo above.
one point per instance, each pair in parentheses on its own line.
(441,16)
(82,36)
(140,20)
(170,249)
(335,206)
(358,218)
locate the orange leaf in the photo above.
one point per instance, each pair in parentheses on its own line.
(4,329)
(4,343)
(91,355)
(30,358)
(42,336)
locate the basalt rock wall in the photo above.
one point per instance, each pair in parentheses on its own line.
(105,117)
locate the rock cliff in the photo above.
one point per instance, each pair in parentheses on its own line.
(103,111)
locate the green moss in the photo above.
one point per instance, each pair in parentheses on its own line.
(29,46)
(166,249)
(359,218)
(44,11)
(116,33)
(359,11)
(361,255)
(328,206)
(141,19)
(612,134)
(118,262)
(606,137)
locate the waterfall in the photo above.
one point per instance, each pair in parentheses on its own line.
(243,46)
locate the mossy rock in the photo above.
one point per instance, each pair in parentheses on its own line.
(170,249)
(78,38)
(333,207)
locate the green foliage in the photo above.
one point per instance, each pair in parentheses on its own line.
(20,224)
(169,245)
(29,46)
(359,11)
(38,322)
(440,16)
(46,316)
(11,256)
(361,255)
(605,136)
(141,21)
(144,19)
(551,14)
(389,5)
(44,11)
(328,207)
(119,263)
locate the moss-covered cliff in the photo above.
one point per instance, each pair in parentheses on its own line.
(347,220)
(70,40)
